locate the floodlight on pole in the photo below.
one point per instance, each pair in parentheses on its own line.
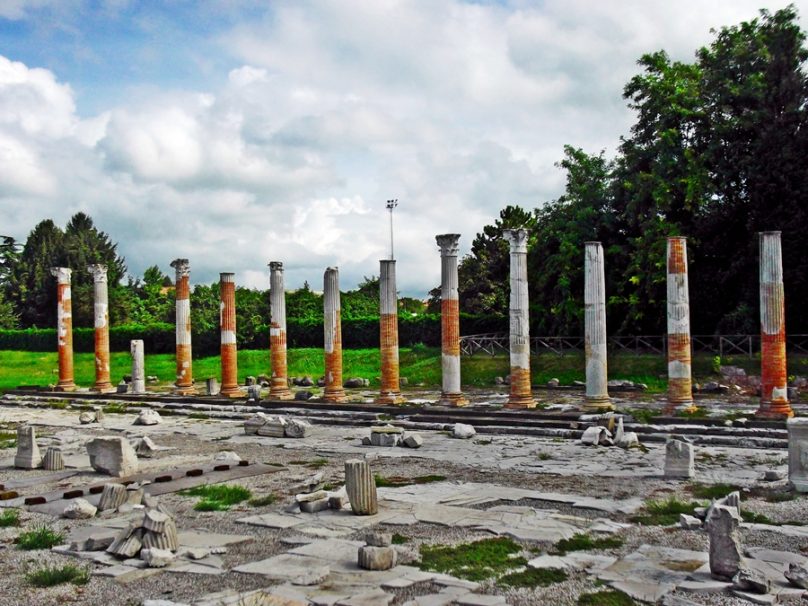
(391,205)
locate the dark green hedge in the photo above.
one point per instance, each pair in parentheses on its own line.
(160,338)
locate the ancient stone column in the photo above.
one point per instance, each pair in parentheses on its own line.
(361,487)
(138,366)
(521,395)
(227,325)
(390,392)
(773,375)
(185,378)
(279,384)
(680,386)
(101,323)
(451,394)
(332,326)
(597,394)
(64,328)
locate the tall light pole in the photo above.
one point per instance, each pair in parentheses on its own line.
(391,205)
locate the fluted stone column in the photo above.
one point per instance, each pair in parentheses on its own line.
(773,374)
(597,393)
(64,328)
(185,378)
(521,395)
(390,392)
(138,366)
(332,326)
(279,384)
(451,394)
(227,326)
(680,383)
(361,487)
(101,323)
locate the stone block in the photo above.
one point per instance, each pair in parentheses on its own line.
(412,440)
(297,428)
(725,549)
(87,417)
(113,456)
(148,416)
(212,387)
(79,509)
(679,460)
(463,431)
(314,506)
(797,575)
(798,453)
(28,456)
(145,447)
(156,558)
(376,558)
(379,539)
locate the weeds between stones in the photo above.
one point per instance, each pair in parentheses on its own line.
(262,501)
(475,561)
(712,491)
(41,537)
(10,517)
(217,497)
(396,481)
(664,512)
(8,439)
(50,576)
(533,577)
(400,539)
(583,542)
(609,597)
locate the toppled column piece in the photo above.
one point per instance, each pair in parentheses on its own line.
(279,384)
(185,376)
(390,391)
(112,497)
(679,459)
(28,456)
(64,328)
(376,558)
(798,453)
(53,459)
(521,395)
(332,327)
(113,456)
(451,394)
(361,487)
(597,394)
(725,549)
(101,324)
(138,384)
(227,324)
(680,383)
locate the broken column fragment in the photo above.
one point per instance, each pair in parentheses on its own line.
(597,394)
(53,459)
(451,393)
(279,383)
(521,395)
(361,487)
(64,328)
(185,379)
(138,384)
(28,456)
(725,549)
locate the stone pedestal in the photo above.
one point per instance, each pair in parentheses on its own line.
(138,384)
(679,460)
(521,395)
(101,323)
(773,373)
(227,323)
(390,391)
(185,377)
(28,456)
(332,326)
(597,394)
(451,394)
(361,487)
(64,328)
(680,385)
(279,383)
(798,453)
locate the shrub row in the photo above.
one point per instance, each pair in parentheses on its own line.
(160,338)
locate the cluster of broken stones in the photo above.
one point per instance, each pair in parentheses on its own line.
(276,426)
(389,435)
(611,435)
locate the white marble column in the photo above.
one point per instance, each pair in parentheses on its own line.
(521,395)
(597,394)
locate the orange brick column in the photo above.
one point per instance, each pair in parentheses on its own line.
(227,327)
(390,392)
(680,382)
(521,395)
(184,384)
(451,394)
(773,375)
(101,323)
(279,384)
(597,392)
(332,326)
(64,328)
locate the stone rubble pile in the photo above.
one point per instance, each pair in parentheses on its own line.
(119,498)
(276,426)
(153,539)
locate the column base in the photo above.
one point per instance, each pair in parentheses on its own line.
(280,394)
(453,399)
(65,386)
(390,398)
(521,402)
(184,390)
(231,392)
(598,404)
(104,388)
(777,409)
(335,396)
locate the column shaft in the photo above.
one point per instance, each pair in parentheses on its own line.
(390,392)
(332,327)
(138,366)
(773,373)
(521,395)
(64,328)
(182,289)
(451,394)
(680,385)
(227,326)
(279,384)
(597,394)
(101,323)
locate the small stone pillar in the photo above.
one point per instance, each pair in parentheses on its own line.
(597,394)
(185,378)
(451,394)
(138,384)
(521,395)
(332,326)
(798,453)
(53,459)
(725,545)
(773,374)
(680,385)
(390,392)
(279,384)
(64,328)
(361,487)
(679,459)
(101,323)
(227,325)
(28,456)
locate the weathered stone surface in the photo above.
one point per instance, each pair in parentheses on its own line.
(112,497)
(212,387)
(798,453)
(53,459)
(725,551)
(155,520)
(128,543)
(773,475)
(379,539)
(361,487)
(79,509)
(628,440)
(412,440)
(87,417)
(689,522)
(148,416)
(463,431)
(387,435)
(145,447)
(253,393)
(679,459)
(112,456)
(156,558)
(797,575)
(314,506)
(227,456)
(297,428)
(312,496)
(304,395)
(751,579)
(376,558)
(595,435)
(338,499)
(28,456)
(252,424)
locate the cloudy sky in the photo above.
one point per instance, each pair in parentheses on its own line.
(238,132)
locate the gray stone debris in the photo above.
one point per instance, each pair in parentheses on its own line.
(596,436)
(725,550)
(313,501)
(376,558)
(797,575)
(798,453)
(79,509)
(156,558)
(145,447)
(412,440)
(273,427)
(88,416)
(773,475)
(378,538)
(679,459)
(463,431)
(113,456)
(751,579)
(297,428)
(303,395)
(252,424)
(148,416)
(689,522)
(212,387)
(361,487)
(338,499)
(253,393)
(227,456)
(123,387)
(53,459)
(385,435)
(355,382)
(112,497)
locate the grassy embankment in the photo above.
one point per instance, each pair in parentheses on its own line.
(421,366)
